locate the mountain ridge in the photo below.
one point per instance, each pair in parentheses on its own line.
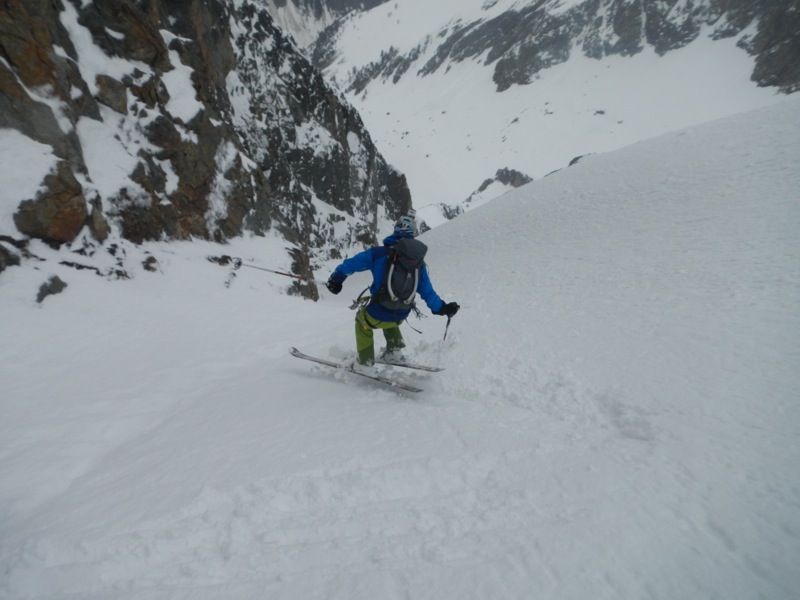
(531,36)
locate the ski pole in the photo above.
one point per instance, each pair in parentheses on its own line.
(444,339)
(237,262)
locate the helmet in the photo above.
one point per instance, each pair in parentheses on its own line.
(406,226)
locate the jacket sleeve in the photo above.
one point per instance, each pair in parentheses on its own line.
(360,262)
(426,291)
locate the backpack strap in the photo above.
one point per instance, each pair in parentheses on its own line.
(388,280)
(383,290)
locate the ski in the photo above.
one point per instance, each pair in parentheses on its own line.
(408,365)
(336,365)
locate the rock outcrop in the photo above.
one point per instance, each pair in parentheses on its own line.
(177,120)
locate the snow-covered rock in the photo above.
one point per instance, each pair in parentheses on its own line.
(179,120)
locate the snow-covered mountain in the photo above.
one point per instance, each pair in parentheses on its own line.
(305,20)
(618,416)
(481,86)
(200,119)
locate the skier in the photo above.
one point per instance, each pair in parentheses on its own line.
(389,305)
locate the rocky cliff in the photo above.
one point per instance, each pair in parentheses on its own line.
(176,120)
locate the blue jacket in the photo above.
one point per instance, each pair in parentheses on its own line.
(375,260)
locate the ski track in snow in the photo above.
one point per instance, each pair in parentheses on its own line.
(617,419)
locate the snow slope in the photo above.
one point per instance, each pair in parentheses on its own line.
(450,130)
(618,417)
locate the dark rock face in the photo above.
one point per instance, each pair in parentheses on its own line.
(57,214)
(54,285)
(505,176)
(29,32)
(512,177)
(521,42)
(262,142)
(8,258)
(308,141)
(112,93)
(777,46)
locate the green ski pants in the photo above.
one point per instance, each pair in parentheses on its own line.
(364,334)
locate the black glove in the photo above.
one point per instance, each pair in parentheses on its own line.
(334,286)
(448,309)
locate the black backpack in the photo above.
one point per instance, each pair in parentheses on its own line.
(399,286)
